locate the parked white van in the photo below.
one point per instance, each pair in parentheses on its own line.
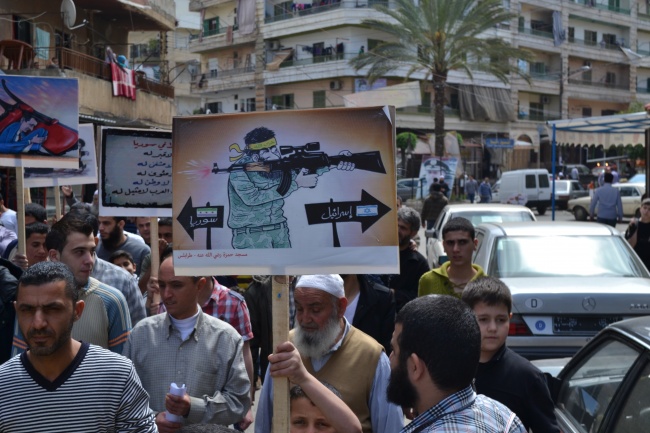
(529,187)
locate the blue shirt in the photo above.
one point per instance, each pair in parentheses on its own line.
(385,417)
(485,189)
(608,200)
(466,412)
(126,283)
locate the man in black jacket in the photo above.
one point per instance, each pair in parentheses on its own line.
(371,308)
(9,274)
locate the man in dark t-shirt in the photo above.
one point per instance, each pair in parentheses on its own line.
(412,264)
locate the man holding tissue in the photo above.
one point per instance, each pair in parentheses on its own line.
(185,346)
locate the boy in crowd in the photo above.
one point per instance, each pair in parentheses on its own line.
(502,374)
(124,260)
(314,405)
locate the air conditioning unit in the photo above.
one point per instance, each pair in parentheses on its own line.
(544,100)
(336,85)
(274,45)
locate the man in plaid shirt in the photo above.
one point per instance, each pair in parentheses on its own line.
(436,348)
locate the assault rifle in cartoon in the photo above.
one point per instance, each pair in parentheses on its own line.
(307,157)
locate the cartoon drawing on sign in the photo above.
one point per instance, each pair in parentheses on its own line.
(25,130)
(265,173)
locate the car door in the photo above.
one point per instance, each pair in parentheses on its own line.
(596,386)
(630,198)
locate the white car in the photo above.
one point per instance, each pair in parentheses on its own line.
(477,214)
(630,197)
(568,281)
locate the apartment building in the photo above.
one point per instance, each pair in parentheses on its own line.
(297,57)
(35,31)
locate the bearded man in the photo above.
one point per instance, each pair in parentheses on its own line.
(114,238)
(436,350)
(337,353)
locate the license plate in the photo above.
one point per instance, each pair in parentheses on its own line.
(581,325)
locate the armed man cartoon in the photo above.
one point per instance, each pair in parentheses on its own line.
(264,174)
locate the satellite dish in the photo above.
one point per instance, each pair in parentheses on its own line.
(69,13)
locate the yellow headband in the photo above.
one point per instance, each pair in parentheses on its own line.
(263,145)
(253,146)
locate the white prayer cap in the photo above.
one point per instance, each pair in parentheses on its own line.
(332,284)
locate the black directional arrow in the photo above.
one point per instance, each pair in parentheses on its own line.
(367,211)
(204,217)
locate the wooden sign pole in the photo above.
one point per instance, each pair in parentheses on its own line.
(57,200)
(155,256)
(280,314)
(20,209)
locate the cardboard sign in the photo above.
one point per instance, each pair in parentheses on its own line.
(285,192)
(30,135)
(84,173)
(136,173)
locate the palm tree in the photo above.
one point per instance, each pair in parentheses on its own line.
(405,142)
(437,36)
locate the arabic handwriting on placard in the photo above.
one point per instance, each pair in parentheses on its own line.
(136,144)
(337,213)
(202,221)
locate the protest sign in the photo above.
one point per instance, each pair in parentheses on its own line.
(285,192)
(135,172)
(29,135)
(84,173)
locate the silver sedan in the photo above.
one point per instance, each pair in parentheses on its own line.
(568,281)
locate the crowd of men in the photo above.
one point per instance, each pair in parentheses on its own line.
(86,347)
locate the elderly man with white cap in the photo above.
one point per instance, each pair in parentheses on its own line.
(339,354)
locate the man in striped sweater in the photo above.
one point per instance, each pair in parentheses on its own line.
(61,384)
(107,322)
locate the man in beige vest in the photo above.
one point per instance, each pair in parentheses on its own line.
(339,354)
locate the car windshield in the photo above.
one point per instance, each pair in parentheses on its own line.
(563,256)
(637,178)
(494,216)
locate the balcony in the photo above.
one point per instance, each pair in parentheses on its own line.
(538,33)
(596,45)
(317,59)
(324,6)
(218,38)
(599,84)
(158,15)
(603,6)
(88,65)
(197,5)
(225,79)
(537,117)
(428,111)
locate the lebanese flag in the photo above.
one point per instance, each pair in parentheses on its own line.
(123,81)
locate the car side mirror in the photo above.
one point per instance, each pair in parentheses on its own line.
(430,233)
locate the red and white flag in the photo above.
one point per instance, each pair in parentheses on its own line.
(123,81)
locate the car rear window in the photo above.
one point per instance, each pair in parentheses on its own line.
(563,256)
(495,217)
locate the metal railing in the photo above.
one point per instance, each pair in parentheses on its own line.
(604,7)
(324,6)
(425,109)
(318,59)
(540,33)
(221,73)
(539,117)
(89,65)
(599,84)
(601,44)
